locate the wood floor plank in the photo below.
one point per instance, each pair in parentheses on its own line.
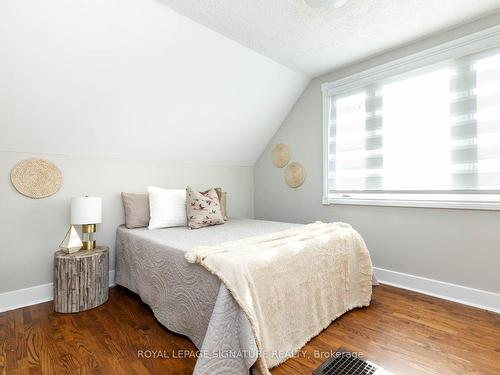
(406,332)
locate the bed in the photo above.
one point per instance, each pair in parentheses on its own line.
(187,298)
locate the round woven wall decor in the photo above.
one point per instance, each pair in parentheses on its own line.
(36,178)
(281,155)
(295,174)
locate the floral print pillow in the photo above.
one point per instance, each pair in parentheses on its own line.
(203,209)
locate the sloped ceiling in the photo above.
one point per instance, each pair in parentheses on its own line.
(318,40)
(133,79)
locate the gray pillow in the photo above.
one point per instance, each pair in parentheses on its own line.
(136,208)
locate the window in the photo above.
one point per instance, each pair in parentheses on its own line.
(427,136)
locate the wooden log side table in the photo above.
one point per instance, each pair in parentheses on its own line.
(80,279)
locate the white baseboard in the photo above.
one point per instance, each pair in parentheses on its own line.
(31,296)
(111,278)
(457,293)
(25,297)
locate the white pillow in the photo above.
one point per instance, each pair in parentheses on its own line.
(167,207)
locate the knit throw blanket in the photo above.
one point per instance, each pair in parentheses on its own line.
(292,284)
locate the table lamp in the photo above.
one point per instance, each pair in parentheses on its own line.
(86,211)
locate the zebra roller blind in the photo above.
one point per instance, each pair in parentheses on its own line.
(433,131)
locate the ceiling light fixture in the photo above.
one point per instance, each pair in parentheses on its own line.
(326,3)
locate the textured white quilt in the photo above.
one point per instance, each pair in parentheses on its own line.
(292,284)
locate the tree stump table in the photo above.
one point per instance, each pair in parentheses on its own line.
(80,279)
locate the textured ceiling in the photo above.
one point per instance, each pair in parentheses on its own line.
(317,40)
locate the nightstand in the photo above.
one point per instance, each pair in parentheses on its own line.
(81,279)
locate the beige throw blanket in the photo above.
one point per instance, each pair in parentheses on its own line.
(292,284)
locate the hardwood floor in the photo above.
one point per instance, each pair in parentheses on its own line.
(406,332)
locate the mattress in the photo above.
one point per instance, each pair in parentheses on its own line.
(184,239)
(185,297)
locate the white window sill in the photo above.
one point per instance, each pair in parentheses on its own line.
(480,203)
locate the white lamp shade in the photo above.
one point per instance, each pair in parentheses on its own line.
(86,210)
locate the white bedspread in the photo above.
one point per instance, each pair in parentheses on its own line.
(292,284)
(187,298)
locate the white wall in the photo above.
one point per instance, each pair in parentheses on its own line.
(133,79)
(102,86)
(31,229)
(455,246)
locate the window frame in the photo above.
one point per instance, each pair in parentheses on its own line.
(472,44)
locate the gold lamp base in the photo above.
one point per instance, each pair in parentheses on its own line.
(88,233)
(88,245)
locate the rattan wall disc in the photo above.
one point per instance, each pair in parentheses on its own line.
(281,155)
(36,178)
(295,174)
